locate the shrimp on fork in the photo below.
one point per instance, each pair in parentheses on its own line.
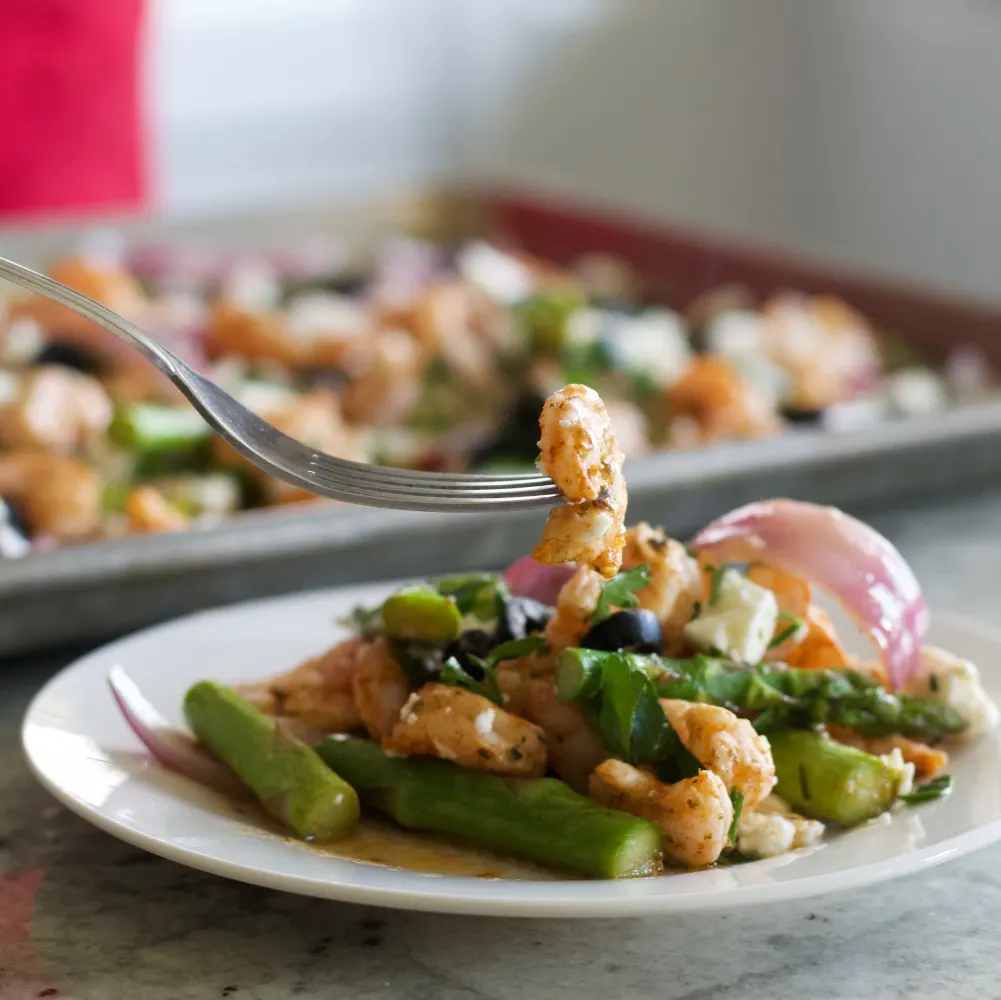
(580,455)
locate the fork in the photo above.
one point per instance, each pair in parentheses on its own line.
(282,456)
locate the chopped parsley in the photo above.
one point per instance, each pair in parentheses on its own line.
(512,650)
(737,798)
(715,583)
(795,624)
(937,788)
(454,674)
(620,592)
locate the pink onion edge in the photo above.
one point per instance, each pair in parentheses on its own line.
(172,748)
(850,560)
(528,578)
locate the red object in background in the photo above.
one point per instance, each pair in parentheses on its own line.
(71,129)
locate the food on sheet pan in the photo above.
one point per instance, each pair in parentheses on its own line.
(432,361)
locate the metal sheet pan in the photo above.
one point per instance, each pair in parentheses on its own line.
(91,592)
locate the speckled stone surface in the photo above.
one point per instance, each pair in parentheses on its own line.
(83,916)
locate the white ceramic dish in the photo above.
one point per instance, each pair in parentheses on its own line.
(83,752)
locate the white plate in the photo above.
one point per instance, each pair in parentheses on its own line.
(82,751)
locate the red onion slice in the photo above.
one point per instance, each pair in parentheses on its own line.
(528,578)
(172,748)
(852,561)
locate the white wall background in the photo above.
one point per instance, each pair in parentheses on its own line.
(264,102)
(865,132)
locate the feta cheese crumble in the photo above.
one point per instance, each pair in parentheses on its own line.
(772,829)
(654,344)
(948,680)
(896,760)
(500,275)
(739,621)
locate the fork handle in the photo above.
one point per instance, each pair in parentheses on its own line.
(95,312)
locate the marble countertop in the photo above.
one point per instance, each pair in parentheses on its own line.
(84,917)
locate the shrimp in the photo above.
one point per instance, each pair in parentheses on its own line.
(380,689)
(446,322)
(590,533)
(819,649)
(313,418)
(717,403)
(579,452)
(318,692)
(580,455)
(575,749)
(725,745)
(826,347)
(134,380)
(55,408)
(60,496)
(676,581)
(578,597)
(460,726)
(514,685)
(148,511)
(515,676)
(928,761)
(257,336)
(389,387)
(694,815)
(110,285)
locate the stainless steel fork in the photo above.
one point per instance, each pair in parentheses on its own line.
(274,452)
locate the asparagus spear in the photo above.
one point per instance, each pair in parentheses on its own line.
(542,820)
(287,776)
(421,614)
(784,697)
(820,777)
(162,437)
(154,427)
(578,674)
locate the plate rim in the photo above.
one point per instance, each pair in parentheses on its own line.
(581,906)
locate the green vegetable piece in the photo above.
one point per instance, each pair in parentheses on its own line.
(542,820)
(367,622)
(820,777)
(737,799)
(789,697)
(421,614)
(586,364)
(544,319)
(291,781)
(617,690)
(578,673)
(479,594)
(937,788)
(795,624)
(163,440)
(620,592)
(453,674)
(154,427)
(514,648)
(632,723)
(715,582)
